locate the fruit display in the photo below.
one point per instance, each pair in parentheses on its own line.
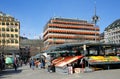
(98,58)
(113,58)
(104,59)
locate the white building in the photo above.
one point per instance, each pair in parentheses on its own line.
(112,32)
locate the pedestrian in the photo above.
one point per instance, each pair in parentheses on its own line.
(15,63)
(42,63)
(32,64)
(48,59)
(0,64)
(39,65)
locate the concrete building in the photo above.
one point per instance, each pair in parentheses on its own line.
(102,38)
(112,32)
(9,34)
(66,30)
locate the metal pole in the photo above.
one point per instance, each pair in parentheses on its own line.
(95,18)
(95,31)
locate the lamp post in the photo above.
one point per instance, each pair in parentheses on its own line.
(40,41)
(95,19)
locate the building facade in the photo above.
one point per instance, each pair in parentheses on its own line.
(112,32)
(102,37)
(9,34)
(65,30)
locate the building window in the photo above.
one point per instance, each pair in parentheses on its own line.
(3,41)
(16,35)
(6,19)
(16,41)
(12,24)
(3,35)
(12,19)
(3,23)
(16,30)
(12,35)
(7,23)
(3,29)
(8,35)
(8,41)
(16,24)
(7,29)
(12,41)
(12,29)
(1,18)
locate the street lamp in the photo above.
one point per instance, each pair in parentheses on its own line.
(95,19)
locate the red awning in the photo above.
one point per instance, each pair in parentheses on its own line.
(62,61)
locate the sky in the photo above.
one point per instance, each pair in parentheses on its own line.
(34,14)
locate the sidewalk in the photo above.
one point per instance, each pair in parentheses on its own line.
(26,73)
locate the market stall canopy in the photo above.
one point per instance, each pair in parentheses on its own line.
(62,61)
(68,46)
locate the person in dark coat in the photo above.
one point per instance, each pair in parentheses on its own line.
(15,63)
(32,64)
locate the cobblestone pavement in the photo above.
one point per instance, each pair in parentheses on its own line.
(26,73)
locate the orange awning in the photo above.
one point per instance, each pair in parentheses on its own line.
(66,60)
